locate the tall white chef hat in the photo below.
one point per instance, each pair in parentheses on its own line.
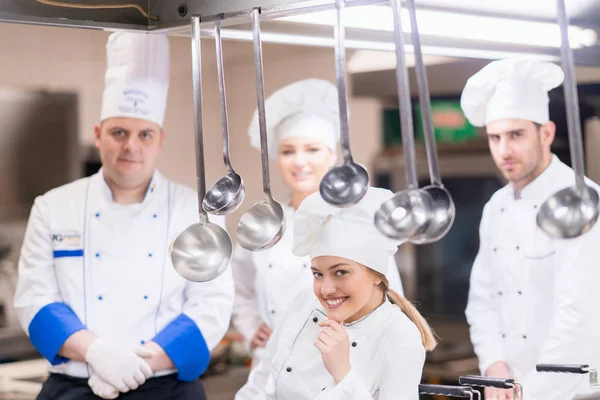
(306,108)
(137,76)
(510,89)
(321,229)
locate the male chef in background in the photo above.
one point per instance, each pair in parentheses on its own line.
(532,299)
(97,293)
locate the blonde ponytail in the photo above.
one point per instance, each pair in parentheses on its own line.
(427,335)
(415,316)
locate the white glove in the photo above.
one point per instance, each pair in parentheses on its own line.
(120,367)
(101,388)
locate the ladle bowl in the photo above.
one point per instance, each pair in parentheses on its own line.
(202,252)
(262,226)
(442,215)
(225,195)
(566,214)
(345,185)
(405,215)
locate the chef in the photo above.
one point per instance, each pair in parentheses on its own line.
(532,299)
(351,337)
(302,128)
(97,293)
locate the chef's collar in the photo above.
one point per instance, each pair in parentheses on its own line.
(538,188)
(107,195)
(373,318)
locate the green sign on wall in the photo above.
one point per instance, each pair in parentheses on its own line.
(449,122)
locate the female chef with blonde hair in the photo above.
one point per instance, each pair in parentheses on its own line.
(302,128)
(352,337)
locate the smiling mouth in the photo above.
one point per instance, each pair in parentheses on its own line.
(301,175)
(335,303)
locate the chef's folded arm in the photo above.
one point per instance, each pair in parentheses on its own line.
(189,338)
(483,314)
(45,316)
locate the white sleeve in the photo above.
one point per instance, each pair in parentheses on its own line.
(482,312)
(37,285)
(210,304)
(246,317)
(393,276)
(574,330)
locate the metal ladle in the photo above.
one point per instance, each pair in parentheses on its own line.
(226,195)
(408,213)
(263,225)
(346,184)
(572,211)
(203,251)
(442,208)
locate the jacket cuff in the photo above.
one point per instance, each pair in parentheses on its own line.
(184,344)
(51,327)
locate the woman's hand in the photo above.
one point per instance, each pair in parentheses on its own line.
(334,346)
(261,337)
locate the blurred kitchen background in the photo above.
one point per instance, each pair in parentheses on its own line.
(51,83)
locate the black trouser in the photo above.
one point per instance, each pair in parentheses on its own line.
(63,387)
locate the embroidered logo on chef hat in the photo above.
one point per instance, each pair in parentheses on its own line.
(137,76)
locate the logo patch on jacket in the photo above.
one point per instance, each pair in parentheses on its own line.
(71,239)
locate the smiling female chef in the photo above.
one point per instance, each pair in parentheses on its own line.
(351,337)
(95,276)
(303,133)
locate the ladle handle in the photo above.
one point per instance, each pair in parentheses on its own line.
(406,119)
(222,96)
(563,368)
(260,99)
(572,100)
(340,74)
(197,90)
(464,392)
(424,99)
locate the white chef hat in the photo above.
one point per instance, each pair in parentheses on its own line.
(510,89)
(137,76)
(321,229)
(306,108)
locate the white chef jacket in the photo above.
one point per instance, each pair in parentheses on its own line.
(90,263)
(386,357)
(267,281)
(533,299)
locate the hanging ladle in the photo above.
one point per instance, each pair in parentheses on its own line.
(572,211)
(226,195)
(203,251)
(263,225)
(346,184)
(408,213)
(443,209)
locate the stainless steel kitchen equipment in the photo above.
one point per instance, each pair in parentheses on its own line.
(572,211)
(443,209)
(571,369)
(346,184)
(203,251)
(499,383)
(463,392)
(409,212)
(227,194)
(262,226)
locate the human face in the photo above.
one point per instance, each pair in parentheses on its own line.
(521,149)
(128,149)
(347,290)
(303,163)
